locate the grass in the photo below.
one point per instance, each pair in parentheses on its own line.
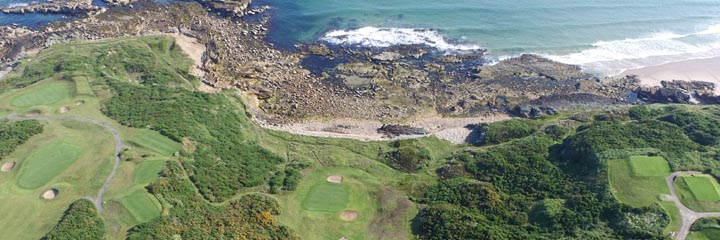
(42,95)
(634,190)
(698,192)
(705,234)
(46,163)
(646,166)
(675,218)
(143,206)
(328,197)
(147,171)
(82,86)
(155,141)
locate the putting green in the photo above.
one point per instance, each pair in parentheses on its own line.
(645,166)
(148,171)
(143,206)
(42,95)
(155,141)
(702,187)
(326,197)
(47,162)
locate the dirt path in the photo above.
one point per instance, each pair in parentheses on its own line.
(118,147)
(688,216)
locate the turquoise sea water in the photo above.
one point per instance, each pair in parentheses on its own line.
(603,36)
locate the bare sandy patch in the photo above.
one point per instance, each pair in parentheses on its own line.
(451,129)
(335,179)
(193,48)
(50,194)
(706,70)
(349,215)
(80,102)
(6,167)
(64,109)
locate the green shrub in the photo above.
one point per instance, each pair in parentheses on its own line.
(80,221)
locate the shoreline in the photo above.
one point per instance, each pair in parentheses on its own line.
(705,70)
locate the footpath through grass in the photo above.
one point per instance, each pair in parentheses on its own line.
(698,192)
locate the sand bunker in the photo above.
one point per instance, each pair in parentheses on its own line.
(50,194)
(335,179)
(6,167)
(349,215)
(64,109)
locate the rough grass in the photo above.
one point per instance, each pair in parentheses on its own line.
(328,197)
(646,166)
(675,218)
(42,95)
(636,191)
(147,171)
(705,234)
(46,163)
(155,141)
(143,206)
(698,192)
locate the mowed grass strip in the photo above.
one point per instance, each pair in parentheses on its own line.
(46,163)
(143,206)
(82,86)
(634,190)
(645,166)
(147,171)
(42,95)
(326,197)
(156,142)
(702,187)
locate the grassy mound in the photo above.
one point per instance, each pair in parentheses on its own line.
(698,192)
(42,95)
(47,162)
(646,166)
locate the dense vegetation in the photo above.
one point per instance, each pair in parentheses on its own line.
(191,217)
(499,132)
(13,134)
(80,221)
(407,155)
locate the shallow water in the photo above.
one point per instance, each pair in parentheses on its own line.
(603,36)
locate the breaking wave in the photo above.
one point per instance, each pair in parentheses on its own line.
(386,37)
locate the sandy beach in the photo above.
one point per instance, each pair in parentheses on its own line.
(707,70)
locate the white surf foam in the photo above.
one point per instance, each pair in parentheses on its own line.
(14,5)
(386,37)
(614,57)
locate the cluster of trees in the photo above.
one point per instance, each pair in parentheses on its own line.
(80,221)
(527,189)
(287,180)
(14,134)
(191,217)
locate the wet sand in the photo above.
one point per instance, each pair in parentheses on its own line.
(707,70)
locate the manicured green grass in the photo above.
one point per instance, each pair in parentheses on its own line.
(46,163)
(646,166)
(143,206)
(698,192)
(155,142)
(705,234)
(42,95)
(148,171)
(328,197)
(636,191)
(675,218)
(82,86)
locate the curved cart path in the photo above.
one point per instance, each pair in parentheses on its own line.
(688,216)
(118,146)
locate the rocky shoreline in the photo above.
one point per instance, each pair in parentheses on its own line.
(321,81)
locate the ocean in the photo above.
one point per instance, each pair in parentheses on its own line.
(603,36)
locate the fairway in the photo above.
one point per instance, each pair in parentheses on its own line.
(47,162)
(645,166)
(148,171)
(326,197)
(42,95)
(143,206)
(701,187)
(636,191)
(155,141)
